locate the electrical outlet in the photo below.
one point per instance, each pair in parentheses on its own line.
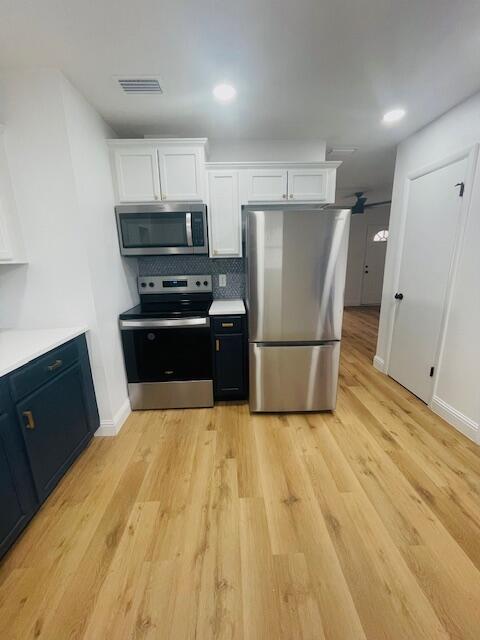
(222,280)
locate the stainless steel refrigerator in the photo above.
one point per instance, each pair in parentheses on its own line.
(296,262)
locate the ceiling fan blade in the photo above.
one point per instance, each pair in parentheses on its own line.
(377,204)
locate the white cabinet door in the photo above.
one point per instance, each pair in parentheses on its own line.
(181,172)
(267,185)
(316,185)
(224,215)
(137,175)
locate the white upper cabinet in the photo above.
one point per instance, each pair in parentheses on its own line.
(137,173)
(316,185)
(162,169)
(266,185)
(301,182)
(224,215)
(181,172)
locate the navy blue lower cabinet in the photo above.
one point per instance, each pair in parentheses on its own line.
(48,415)
(229,344)
(18,502)
(55,427)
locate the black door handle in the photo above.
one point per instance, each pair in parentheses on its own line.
(399,296)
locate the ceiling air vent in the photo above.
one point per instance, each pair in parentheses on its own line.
(145,85)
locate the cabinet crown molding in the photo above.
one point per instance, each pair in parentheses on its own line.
(273,164)
(114,142)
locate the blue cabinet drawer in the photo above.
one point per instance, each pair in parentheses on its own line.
(228,324)
(43,369)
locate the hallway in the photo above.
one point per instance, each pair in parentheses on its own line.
(215,523)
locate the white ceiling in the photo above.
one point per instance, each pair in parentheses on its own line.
(303,68)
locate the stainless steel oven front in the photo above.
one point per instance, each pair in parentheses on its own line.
(168,362)
(162,229)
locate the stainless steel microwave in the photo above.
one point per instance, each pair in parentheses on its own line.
(162,229)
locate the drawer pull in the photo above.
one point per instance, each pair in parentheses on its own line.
(30,422)
(227,325)
(217,345)
(55,365)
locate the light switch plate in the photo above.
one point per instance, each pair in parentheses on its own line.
(222,280)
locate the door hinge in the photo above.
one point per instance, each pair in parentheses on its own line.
(462,188)
(432,371)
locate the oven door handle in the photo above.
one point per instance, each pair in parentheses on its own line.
(126,325)
(188,228)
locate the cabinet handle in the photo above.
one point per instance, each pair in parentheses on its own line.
(227,325)
(55,365)
(217,345)
(164,197)
(156,196)
(284,196)
(28,415)
(291,195)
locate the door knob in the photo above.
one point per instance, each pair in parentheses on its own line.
(399,296)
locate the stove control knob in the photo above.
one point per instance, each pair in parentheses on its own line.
(205,282)
(151,284)
(198,283)
(143,284)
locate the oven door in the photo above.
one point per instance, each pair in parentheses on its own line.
(167,350)
(155,230)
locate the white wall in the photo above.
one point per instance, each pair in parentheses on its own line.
(58,160)
(456,395)
(113,278)
(271,150)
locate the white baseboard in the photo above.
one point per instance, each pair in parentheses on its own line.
(379,364)
(112,427)
(463,423)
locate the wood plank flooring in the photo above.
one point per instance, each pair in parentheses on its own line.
(212,523)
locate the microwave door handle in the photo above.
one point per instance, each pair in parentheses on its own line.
(188,227)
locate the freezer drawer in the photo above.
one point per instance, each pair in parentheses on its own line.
(293,378)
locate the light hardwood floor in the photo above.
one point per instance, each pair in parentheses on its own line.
(217,524)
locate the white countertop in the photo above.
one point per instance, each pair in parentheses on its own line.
(227,307)
(19,346)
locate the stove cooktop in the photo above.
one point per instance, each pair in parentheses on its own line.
(163,310)
(169,296)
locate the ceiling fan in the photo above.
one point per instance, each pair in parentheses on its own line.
(360,206)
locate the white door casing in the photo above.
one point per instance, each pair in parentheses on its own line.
(432,226)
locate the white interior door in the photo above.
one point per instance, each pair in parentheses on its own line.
(433,211)
(374,264)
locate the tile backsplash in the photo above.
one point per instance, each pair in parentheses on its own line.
(233,268)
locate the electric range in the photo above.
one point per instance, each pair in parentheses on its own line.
(167,343)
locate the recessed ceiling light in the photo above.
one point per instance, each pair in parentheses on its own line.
(393,116)
(224,92)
